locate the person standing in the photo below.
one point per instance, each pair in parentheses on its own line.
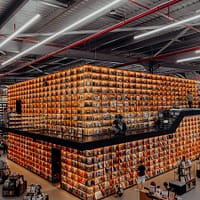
(119,126)
(190,99)
(5,117)
(120,190)
(141,175)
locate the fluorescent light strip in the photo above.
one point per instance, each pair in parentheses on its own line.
(36,17)
(188,59)
(197,51)
(166,27)
(53,5)
(62,31)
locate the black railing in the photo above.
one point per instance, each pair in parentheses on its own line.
(91,142)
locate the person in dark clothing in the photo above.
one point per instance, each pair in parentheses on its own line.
(119,126)
(141,175)
(120,191)
(190,99)
(166,186)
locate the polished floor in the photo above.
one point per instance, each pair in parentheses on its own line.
(55,193)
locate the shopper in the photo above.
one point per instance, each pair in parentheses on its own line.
(166,186)
(120,190)
(119,126)
(190,99)
(3,146)
(5,117)
(199,101)
(141,175)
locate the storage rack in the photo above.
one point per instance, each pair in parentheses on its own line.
(3,105)
(33,192)
(91,174)
(4,171)
(186,181)
(83,101)
(35,156)
(15,185)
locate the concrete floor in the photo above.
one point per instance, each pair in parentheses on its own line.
(55,193)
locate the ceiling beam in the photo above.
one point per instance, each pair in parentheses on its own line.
(171,42)
(12,9)
(83,32)
(136,45)
(161,56)
(13,47)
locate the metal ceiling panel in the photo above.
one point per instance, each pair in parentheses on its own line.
(108,49)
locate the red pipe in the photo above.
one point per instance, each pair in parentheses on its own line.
(161,56)
(168,9)
(166,16)
(93,36)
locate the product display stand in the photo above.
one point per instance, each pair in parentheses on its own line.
(4,171)
(15,185)
(185,180)
(3,105)
(33,192)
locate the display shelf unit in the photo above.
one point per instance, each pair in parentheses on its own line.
(4,171)
(3,105)
(184,173)
(186,181)
(92,174)
(3,95)
(32,155)
(15,185)
(182,187)
(83,101)
(33,192)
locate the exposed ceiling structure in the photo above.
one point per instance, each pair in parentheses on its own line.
(105,38)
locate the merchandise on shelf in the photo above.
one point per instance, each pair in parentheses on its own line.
(184,170)
(33,192)
(83,101)
(185,180)
(91,174)
(3,105)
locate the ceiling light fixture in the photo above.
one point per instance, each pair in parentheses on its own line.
(31,21)
(54,5)
(188,59)
(167,27)
(62,31)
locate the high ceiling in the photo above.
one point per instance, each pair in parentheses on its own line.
(106,39)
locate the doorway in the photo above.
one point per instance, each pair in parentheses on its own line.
(56,165)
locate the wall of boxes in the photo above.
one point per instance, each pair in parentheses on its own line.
(83,101)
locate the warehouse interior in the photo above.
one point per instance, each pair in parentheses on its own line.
(69,69)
